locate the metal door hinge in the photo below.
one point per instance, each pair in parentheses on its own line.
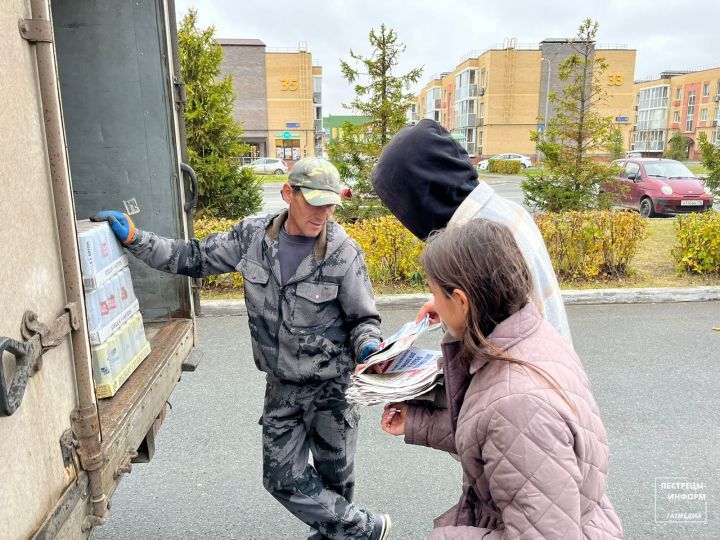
(180,95)
(39,338)
(36,30)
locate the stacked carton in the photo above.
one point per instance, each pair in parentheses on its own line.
(115,326)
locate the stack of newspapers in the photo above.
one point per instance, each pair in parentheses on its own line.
(398,371)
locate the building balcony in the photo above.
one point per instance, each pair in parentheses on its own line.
(317,97)
(465,92)
(319,126)
(465,121)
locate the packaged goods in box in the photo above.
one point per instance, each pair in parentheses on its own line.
(101,254)
(121,353)
(110,305)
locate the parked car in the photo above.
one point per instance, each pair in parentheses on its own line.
(633,154)
(268,166)
(660,186)
(524,160)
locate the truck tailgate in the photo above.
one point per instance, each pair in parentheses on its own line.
(126,418)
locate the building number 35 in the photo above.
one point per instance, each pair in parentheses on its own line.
(288,84)
(615,79)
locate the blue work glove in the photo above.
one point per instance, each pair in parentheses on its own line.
(367,350)
(120,223)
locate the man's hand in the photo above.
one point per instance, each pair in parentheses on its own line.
(393,418)
(428,308)
(367,350)
(120,223)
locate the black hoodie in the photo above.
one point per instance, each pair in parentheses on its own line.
(422,176)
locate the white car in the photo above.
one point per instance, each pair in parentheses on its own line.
(524,160)
(268,166)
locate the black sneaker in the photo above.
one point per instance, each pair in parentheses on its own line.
(383,525)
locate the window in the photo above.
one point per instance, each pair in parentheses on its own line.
(483,79)
(287,149)
(678,93)
(631,170)
(676,117)
(480,142)
(706,89)
(433,103)
(703,115)
(690,111)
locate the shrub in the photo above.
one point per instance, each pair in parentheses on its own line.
(569,187)
(585,245)
(392,253)
(205,227)
(697,248)
(504,166)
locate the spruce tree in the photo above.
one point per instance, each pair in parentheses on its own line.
(572,177)
(382,96)
(213,136)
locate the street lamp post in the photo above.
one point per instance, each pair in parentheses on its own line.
(547,94)
(547,100)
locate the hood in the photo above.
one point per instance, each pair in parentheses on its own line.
(422,176)
(685,186)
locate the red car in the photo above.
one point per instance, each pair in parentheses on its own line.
(660,186)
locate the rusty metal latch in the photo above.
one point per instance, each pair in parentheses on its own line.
(36,30)
(39,338)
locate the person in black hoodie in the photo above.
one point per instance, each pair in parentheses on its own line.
(426,179)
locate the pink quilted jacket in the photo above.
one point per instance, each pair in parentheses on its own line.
(533,467)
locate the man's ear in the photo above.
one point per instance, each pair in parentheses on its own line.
(286,191)
(462,299)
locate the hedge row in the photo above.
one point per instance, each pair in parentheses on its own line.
(392,253)
(582,245)
(205,227)
(585,245)
(697,248)
(504,166)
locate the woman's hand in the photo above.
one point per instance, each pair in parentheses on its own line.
(393,418)
(428,308)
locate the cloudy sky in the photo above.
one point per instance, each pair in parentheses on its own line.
(667,34)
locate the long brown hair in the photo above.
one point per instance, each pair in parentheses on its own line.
(482,259)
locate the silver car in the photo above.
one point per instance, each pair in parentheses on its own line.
(268,166)
(524,160)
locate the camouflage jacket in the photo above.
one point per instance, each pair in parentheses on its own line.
(309,329)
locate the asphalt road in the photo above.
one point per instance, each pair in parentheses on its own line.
(272,200)
(655,375)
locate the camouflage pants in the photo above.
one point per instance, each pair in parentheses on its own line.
(303,419)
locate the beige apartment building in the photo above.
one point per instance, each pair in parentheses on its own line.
(279,98)
(688,102)
(494,98)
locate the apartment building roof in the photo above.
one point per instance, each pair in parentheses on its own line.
(242,42)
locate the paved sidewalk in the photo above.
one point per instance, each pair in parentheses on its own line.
(588,296)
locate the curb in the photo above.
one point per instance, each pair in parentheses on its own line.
(219,308)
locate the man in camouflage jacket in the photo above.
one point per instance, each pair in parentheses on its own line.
(307,330)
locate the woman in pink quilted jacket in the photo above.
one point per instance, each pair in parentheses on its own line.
(521,414)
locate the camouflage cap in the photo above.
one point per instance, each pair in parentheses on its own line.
(318,179)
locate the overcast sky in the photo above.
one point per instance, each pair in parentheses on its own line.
(667,34)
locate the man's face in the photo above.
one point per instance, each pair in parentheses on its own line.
(304,219)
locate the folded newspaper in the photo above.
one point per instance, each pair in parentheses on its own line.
(405,372)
